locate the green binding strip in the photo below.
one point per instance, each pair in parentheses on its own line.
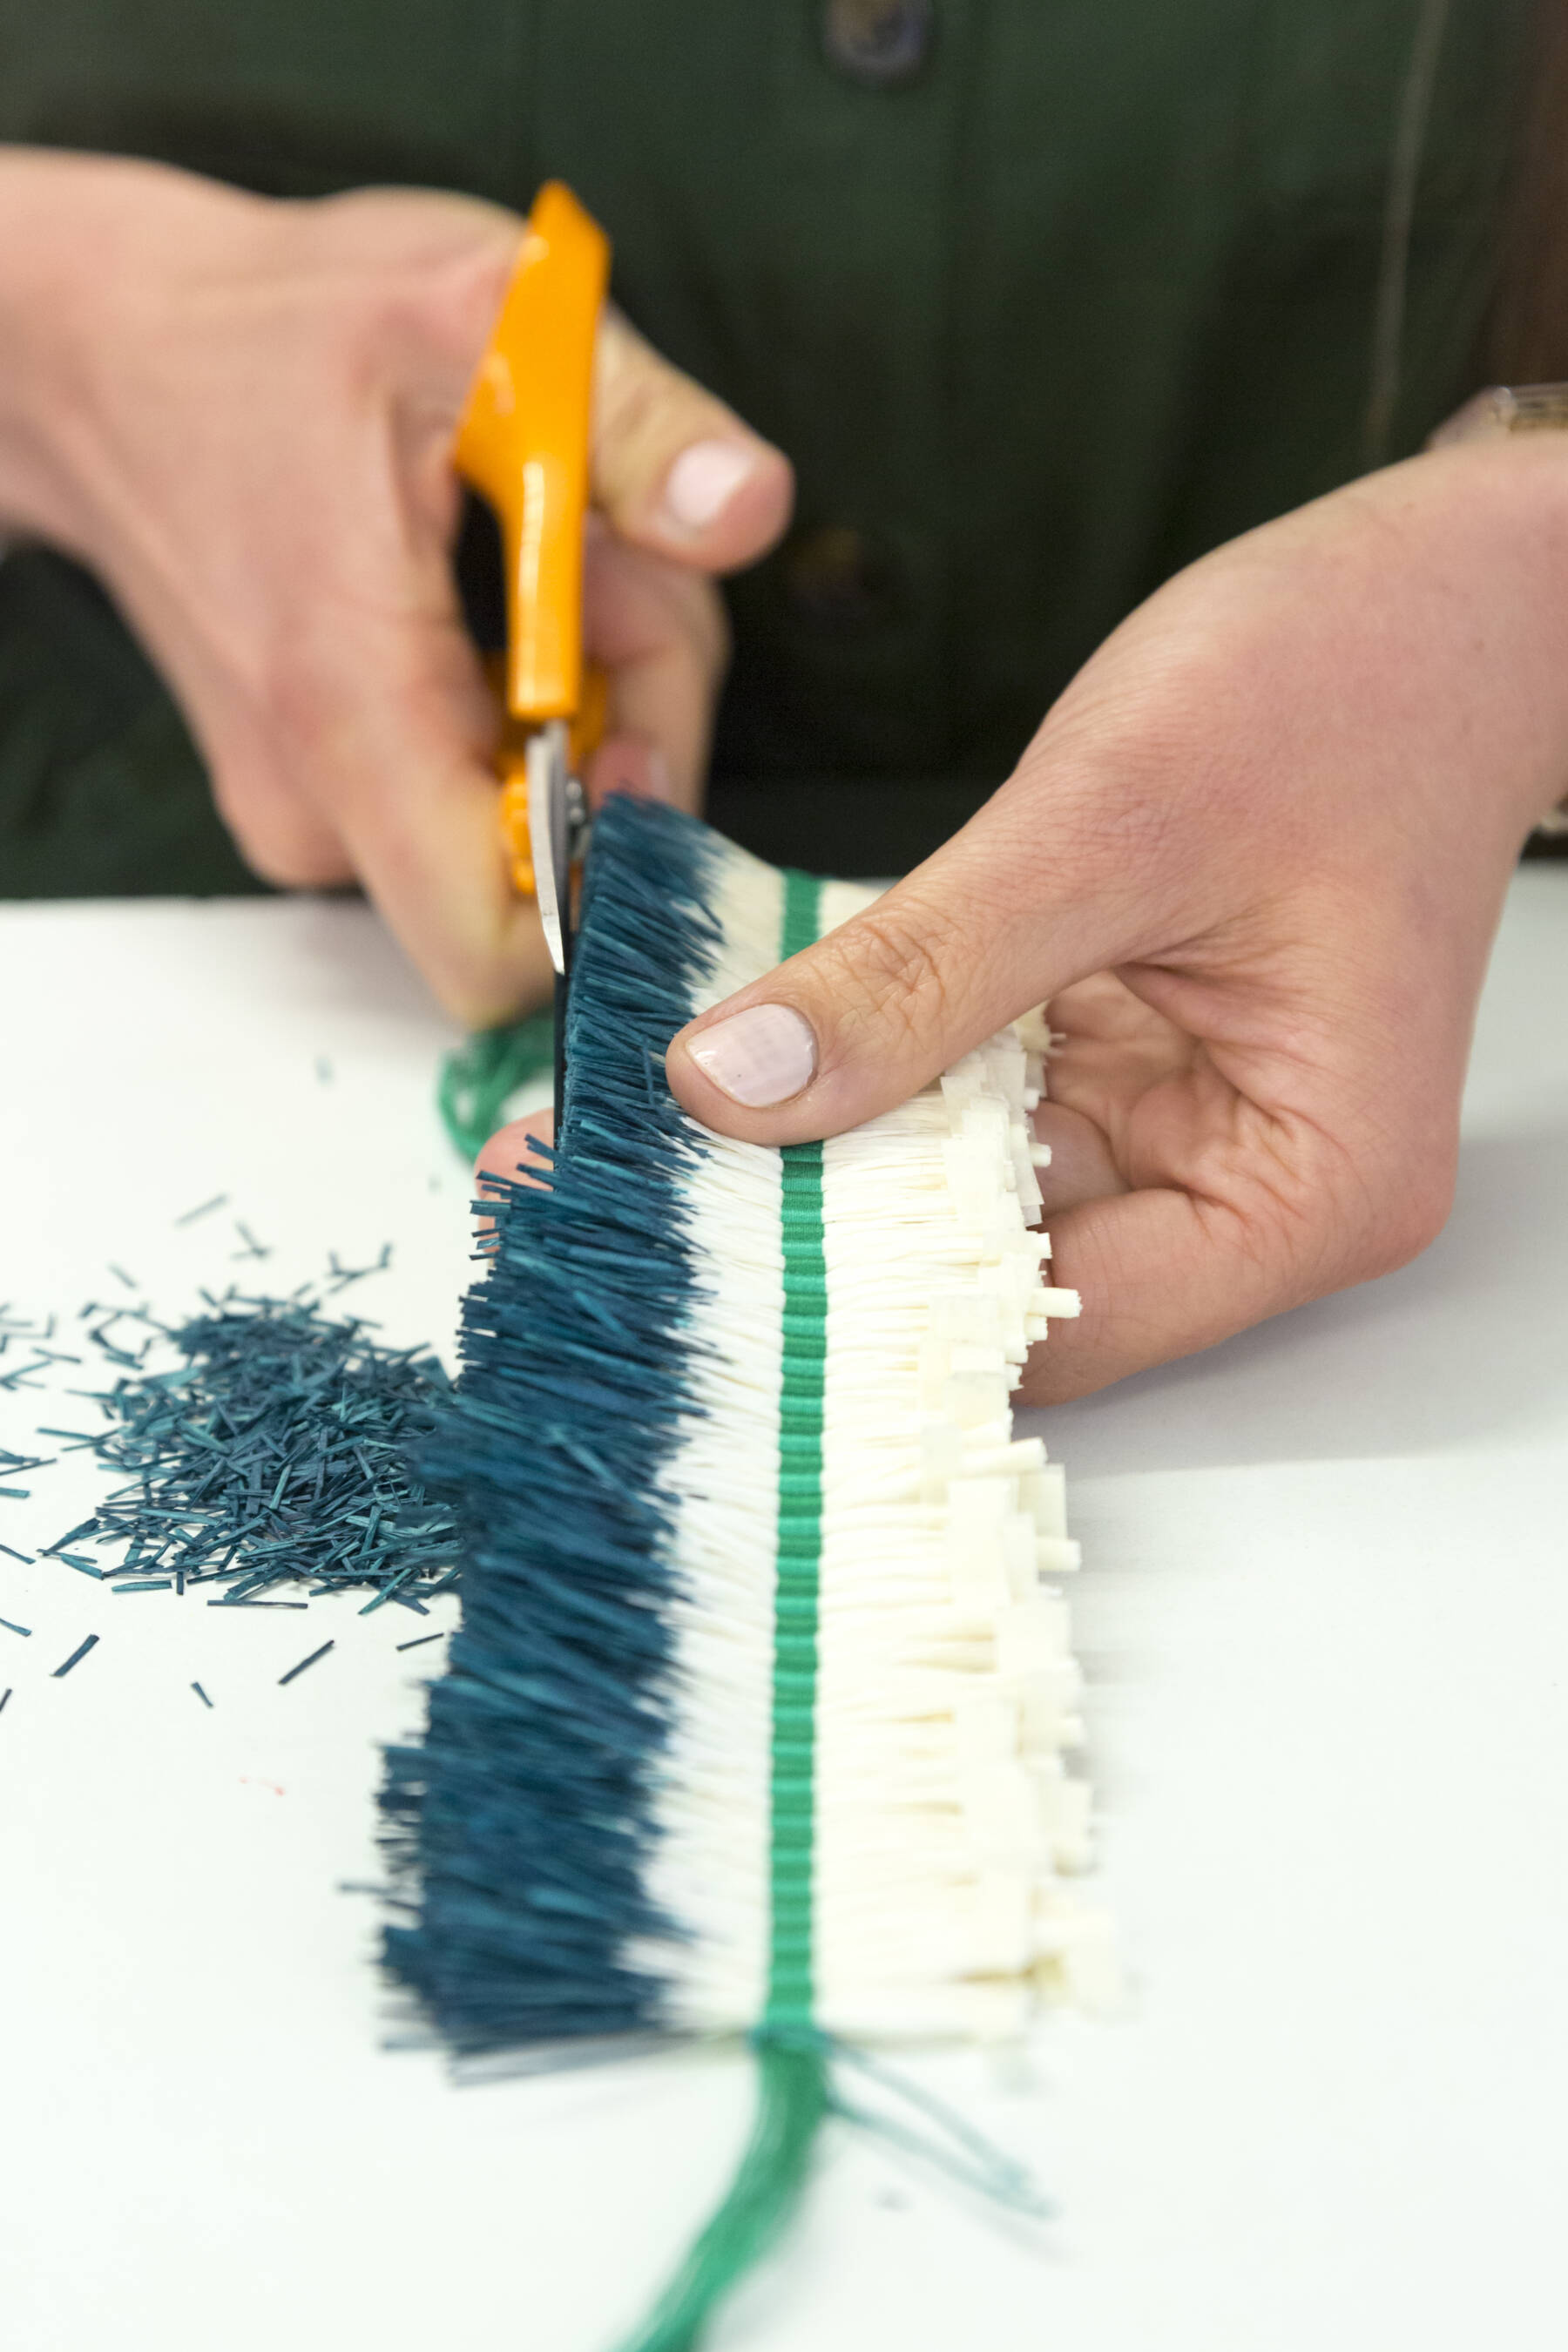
(792,2094)
(799,1555)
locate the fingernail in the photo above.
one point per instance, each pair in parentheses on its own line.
(758,1058)
(702,481)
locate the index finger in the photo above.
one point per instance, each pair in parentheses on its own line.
(404,771)
(1161,1273)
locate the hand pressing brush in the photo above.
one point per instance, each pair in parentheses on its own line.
(1252,863)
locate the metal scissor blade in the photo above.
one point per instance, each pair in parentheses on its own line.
(549,834)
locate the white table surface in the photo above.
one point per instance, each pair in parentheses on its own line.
(1326,1619)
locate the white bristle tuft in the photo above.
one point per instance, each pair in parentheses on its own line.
(947,1826)
(708,1871)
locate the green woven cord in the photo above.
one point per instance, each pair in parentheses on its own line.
(480,1077)
(792,2094)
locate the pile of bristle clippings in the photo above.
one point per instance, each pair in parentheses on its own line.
(275,1456)
(271,1455)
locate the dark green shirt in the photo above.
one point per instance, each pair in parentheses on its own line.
(1043,297)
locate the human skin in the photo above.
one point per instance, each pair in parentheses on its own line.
(239,415)
(1253,860)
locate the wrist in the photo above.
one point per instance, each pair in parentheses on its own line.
(1505,496)
(1503,413)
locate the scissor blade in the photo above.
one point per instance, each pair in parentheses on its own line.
(548,836)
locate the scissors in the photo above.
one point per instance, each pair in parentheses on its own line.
(522,444)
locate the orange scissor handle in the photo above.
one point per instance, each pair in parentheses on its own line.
(522,443)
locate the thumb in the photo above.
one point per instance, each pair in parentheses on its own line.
(857,1023)
(676,470)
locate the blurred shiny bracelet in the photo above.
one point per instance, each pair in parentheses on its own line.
(1505,408)
(1515,408)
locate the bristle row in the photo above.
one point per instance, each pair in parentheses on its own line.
(584,1838)
(519,1830)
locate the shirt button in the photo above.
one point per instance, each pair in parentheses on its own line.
(879,42)
(836,577)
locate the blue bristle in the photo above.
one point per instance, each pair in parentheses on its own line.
(519,1828)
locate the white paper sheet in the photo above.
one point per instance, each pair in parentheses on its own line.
(1326,1615)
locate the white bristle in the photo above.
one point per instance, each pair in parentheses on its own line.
(947,1696)
(708,1870)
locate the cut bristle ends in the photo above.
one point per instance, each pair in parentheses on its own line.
(304,1662)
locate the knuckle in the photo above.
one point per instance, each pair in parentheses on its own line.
(427,272)
(634,426)
(643,409)
(294,857)
(898,967)
(490,968)
(467,279)
(1391,1199)
(280,838)
(479,992)
(1306,1214)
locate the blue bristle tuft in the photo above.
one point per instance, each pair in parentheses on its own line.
(519,1830)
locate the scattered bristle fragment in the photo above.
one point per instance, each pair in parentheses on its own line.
(82,1528)
(77,1656)
(203,1208)
(15,1494)
(146,1584)
(13,1328)
(201,1695)
(419,1641)
(14,1628)
(340,1276)
(275,1453)
(305,1661)
(25,1557)
(5,1695)
(120,1276)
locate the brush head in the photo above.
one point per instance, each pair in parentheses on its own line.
(760,1707)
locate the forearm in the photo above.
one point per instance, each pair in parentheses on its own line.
(83,240)
(47,205)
